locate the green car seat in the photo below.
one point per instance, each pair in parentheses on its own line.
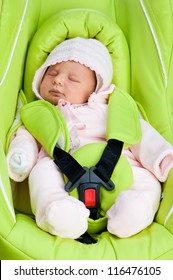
(23,51)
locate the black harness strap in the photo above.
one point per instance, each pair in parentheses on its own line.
(89,180)
(103,169)
(68,165)
(109,159)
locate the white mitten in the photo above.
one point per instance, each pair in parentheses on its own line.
(22,155)
(66,218)
(19,164)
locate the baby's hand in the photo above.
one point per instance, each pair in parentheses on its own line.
(19,163)
(19,166)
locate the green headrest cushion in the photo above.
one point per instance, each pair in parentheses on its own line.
(78,23)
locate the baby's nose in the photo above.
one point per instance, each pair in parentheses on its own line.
(59,80)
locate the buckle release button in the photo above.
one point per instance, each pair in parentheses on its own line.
(90,197)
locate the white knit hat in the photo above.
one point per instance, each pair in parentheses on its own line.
(89,52)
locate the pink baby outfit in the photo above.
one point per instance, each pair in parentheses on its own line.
(133,210)
(55,210)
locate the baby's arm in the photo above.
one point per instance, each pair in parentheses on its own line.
(22,154)
(154,152)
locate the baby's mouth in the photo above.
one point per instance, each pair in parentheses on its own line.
(57,93)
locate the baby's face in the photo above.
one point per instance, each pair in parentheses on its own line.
(68,80)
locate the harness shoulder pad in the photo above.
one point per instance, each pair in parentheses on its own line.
(46,124)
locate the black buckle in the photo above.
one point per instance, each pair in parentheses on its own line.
(89,176)
(89,189)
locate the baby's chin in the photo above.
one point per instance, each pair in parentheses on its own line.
(55,100)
